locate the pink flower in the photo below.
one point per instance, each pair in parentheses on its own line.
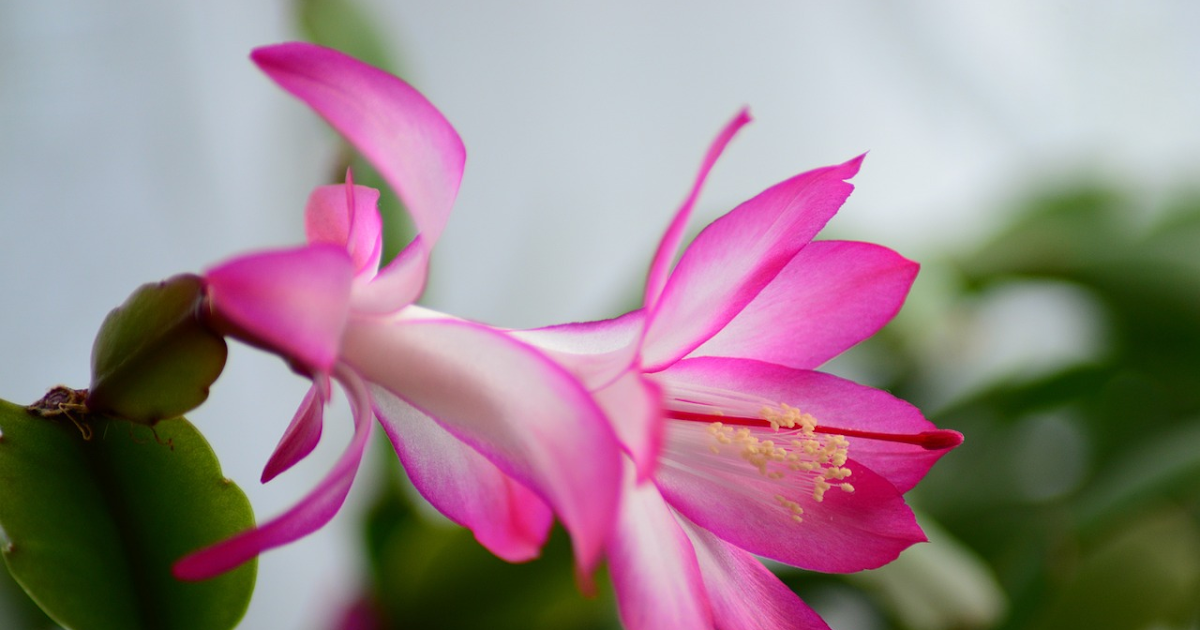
(493,433)
(736,445)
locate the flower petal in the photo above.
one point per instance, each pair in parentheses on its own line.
(307,516)
(396,286)
(737,255)
(846,531)
(834,402)
(404,136)
(595,352)
(653,566)
(302,435)
(291,302)
(633,405)
(328,219)
(523,412)
(600,355)
(744,594)
(668,247)
(506,518)
(832,295)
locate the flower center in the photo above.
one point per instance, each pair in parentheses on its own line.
(797,453)
(800,449)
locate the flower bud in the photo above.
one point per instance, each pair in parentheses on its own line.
(154,358)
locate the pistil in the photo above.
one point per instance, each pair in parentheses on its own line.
(935,440)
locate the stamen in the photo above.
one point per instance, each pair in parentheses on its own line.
(800,457)
(819,460)
(935,440)
(797,512)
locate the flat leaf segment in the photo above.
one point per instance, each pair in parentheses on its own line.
(92,526)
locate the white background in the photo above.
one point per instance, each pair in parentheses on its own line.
(138,141)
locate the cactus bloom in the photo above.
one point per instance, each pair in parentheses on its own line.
(735,444)
(484,424)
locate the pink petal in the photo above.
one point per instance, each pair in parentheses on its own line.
(404,136)
(834,402)
(506,518)
(633,405)
(307,516)
(523,412)
(600,354)
(832,295)
(596,352)
(291,302)
(737,255)
(653,566)
(743,593)
(327,219)
(668,248)
(397,285)
(846,531)
(301,436)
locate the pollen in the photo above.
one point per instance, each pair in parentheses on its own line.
(794,508)
(798,450)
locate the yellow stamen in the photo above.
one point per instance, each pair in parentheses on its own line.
(819,456)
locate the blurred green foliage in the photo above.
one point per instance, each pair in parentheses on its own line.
(1113,539)
(426,572)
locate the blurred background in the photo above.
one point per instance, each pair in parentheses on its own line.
(1040,159)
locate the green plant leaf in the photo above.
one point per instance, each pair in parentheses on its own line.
(154,358)
(92,526)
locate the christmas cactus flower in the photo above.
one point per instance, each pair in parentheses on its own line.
(736,445)
(492,432)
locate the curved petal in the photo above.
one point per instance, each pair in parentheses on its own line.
(292,302)
(595,352)
(653,566)
(506,518)
(397,285)
(359,231)
(843,532)
(668,247)
(404,136)
(633,405)
(832,295)
(301,436)
(523,412)
(600,354)
(834,402)
(736,256)
(744,594)
(306,517)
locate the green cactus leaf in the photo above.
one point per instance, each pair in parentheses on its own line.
(95,510)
